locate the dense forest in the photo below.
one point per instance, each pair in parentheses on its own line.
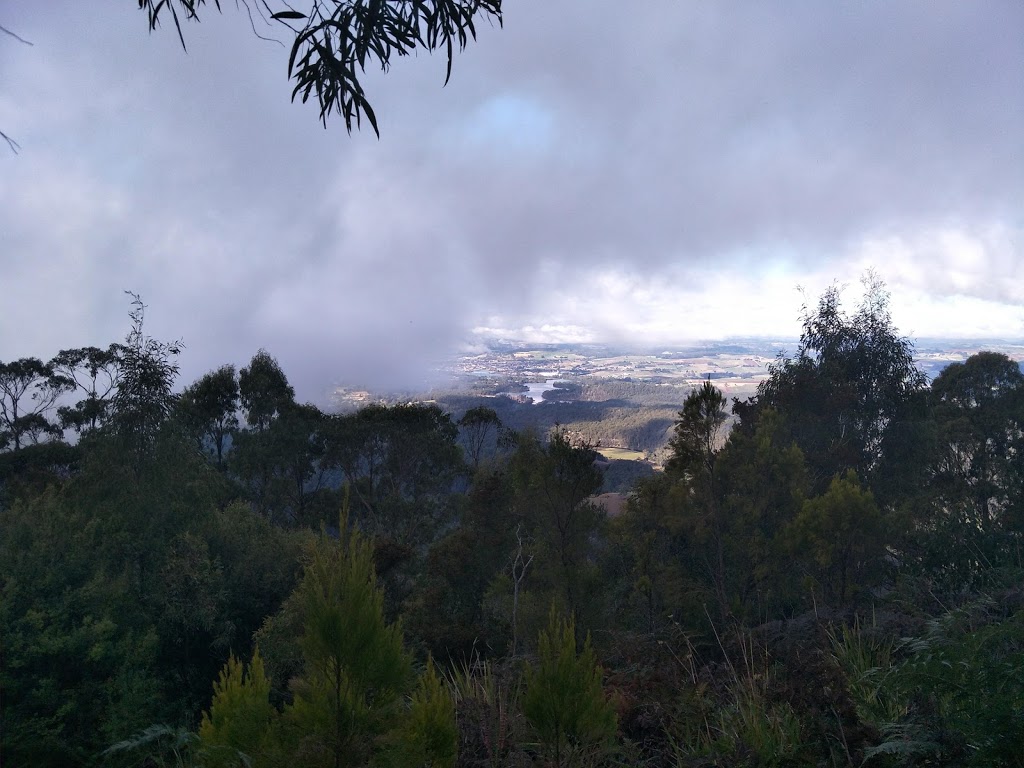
(223,576)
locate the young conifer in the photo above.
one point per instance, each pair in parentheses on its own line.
(240,715)
(564,700)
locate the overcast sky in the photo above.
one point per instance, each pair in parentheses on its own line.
(664,175)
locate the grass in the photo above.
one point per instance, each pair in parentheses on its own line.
(622,454)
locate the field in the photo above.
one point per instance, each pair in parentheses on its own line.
(621,454)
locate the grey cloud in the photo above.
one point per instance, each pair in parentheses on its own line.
(667,139)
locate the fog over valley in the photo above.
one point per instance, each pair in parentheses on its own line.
(646,178)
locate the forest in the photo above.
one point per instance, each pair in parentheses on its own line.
(826,574)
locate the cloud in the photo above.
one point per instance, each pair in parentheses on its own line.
(671,172)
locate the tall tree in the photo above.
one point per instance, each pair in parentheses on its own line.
(695,447)
(95,374)
(210,409)
(29,389)
(849,391)
(977,474)
(145,393)
(553,484)
(478,425)
(264,390)
(401,462)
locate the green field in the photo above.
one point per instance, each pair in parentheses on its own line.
(622,454)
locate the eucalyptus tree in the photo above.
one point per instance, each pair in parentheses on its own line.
(210,410)
(145,394)
(94,373)
(334,41)
(29,389)
(851,391)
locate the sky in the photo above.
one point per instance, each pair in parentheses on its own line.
(684,171)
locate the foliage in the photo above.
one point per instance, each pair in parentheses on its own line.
(354,665)
(263,390)
(336,41)
(95,373)
(838,540)
(850,390)
(160,746)
(698,432)
(29,388)
(563,699)
(949,695)
(729,600)
(209,409)
(240,715)
(447,610)
(478,426)
(973,509)
(427,735)
(145,392)
(553,484)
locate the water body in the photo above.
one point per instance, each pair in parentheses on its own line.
(536,390)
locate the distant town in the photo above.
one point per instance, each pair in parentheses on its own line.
(736,366)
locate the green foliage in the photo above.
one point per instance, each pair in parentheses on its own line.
(839,540)
(698,432)
(752,730)
(563,698)
(447,611)
(264,391)
(762,484)
(553,484)
(850,391)
(427,734)
(973,512)
(145,391)
(160,746)
(952,694)
(354,665)
(240,716)
(209,410)
(282,466)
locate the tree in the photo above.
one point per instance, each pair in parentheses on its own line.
(95,373)
(240,715)
(145,393)
(334,41)
(839,540)
(264,390)
(695,448)
(564,700)
(976,476)
(477,425)
(355,666)
(761,486)
(401,463)
(29,389)
(553,484)
(850,391)
(698,433)
(210,409)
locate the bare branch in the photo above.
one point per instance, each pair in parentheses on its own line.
(6,31)
(15,146)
